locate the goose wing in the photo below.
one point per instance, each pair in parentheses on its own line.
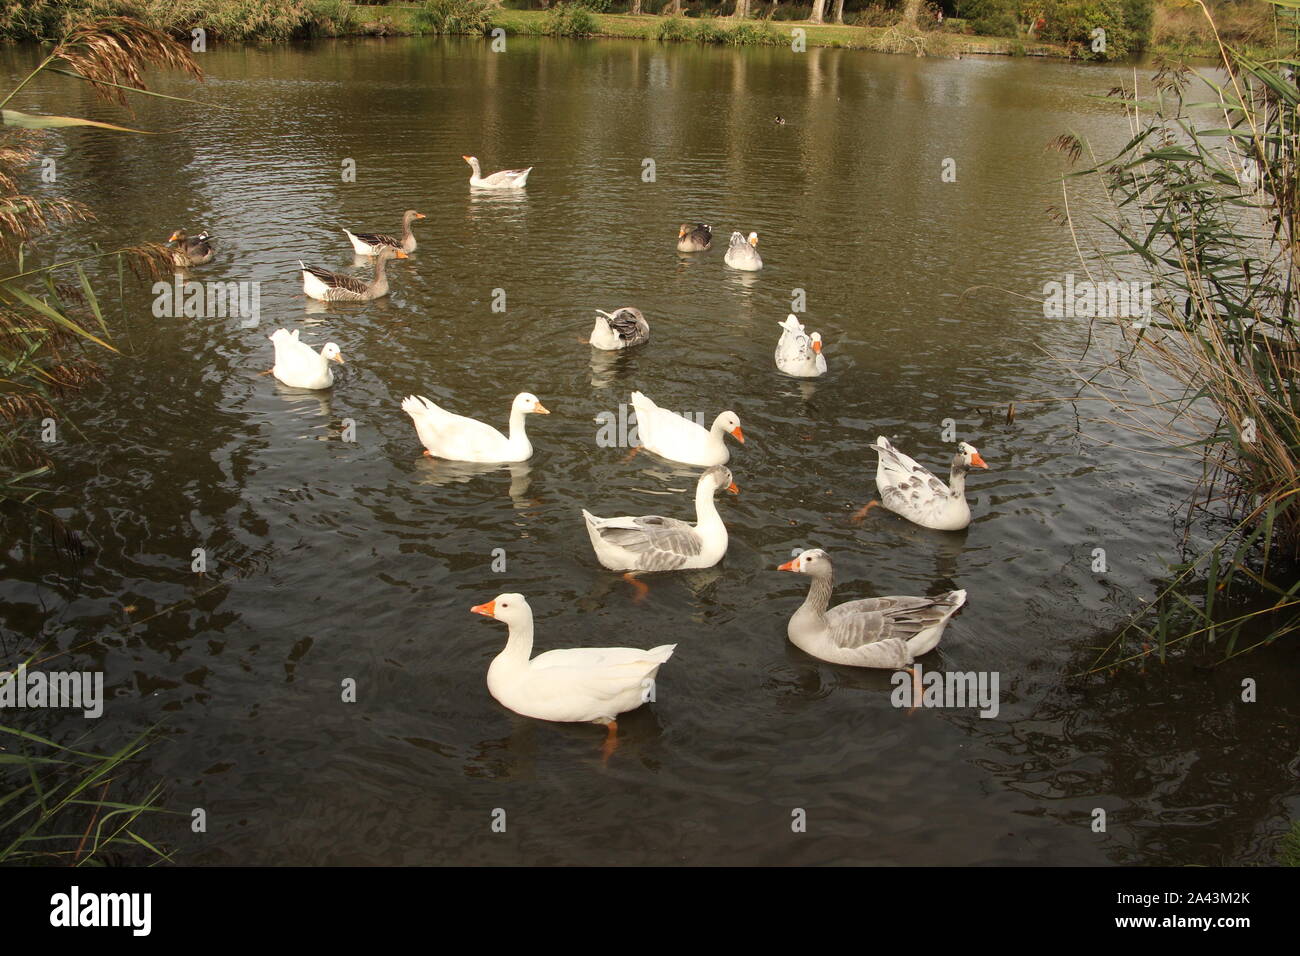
(336,281)
(660,544)
(859,623)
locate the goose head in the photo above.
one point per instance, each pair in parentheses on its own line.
(753,239)
(816,339)
(388,252)
(720,476)
(728,422)
(814,561)
(473,163)
(512,609)
(332,353)
(968,457)
(177,236)
(683,229)
(527,403)
(411,214)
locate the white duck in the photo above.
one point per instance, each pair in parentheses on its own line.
(652,543)
(579,684)
(887,632)
(298,365)
(506,179)
(797,352)
(620,329)
(457,438)
(909,490)
(676,438)
(743,254)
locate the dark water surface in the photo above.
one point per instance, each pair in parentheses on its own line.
(332,560)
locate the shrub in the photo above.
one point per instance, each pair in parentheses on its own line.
(708,31)
(1072,22)
(675,29)
(760,33)
(453,17)
(567,20)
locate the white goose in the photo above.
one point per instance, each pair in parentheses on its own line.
(506,179)
(909,490)
(652,543)
(457,438)
(298,365)
(620,329)
(676,438)
(887,632)
(797,352)
(579,684)
(743,254)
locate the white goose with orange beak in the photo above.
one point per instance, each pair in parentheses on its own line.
(909,490)
(573,685)
(457,438)
(506,179)
(798,353)
(677,438)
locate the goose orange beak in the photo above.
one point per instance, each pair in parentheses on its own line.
(740,436)
(789,565)
(339,359)
(487,610)
(734,488)
(420,215)
(466,158)
(977,461)
(541,409)
(817,347)
(681,232)
(174,236)
(401,255)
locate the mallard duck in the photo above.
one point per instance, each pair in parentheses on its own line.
(191,250)
(909,490)
(572,685)
(671,436)
(620,329)
(369,243)
(743,254)
(455,437)
(333,287)
(506,179)
(887,632)
(652,543)
(298,365)
(697,238)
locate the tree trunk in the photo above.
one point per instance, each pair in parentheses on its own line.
(818,11)
(839,11)
(636,8)
(742,9)
(912,14)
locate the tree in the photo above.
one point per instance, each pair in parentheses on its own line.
(839,11)
(912,13)
(819,8)
(742,9)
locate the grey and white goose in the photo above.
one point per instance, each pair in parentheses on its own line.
(888,632)
(743,254)
(797,352)
(369,243)
(621,329)
(653,543)
(328,286)
(696,238)
(191,250)
(910,490)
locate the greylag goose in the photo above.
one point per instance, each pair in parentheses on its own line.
(909,490)
(369,243)
(506,179)
(887,632)
(652,543)
(697,238)
(743,254)
(797,352)
(620,329)
(333,287)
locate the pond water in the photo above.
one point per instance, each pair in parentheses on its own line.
(331,560)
